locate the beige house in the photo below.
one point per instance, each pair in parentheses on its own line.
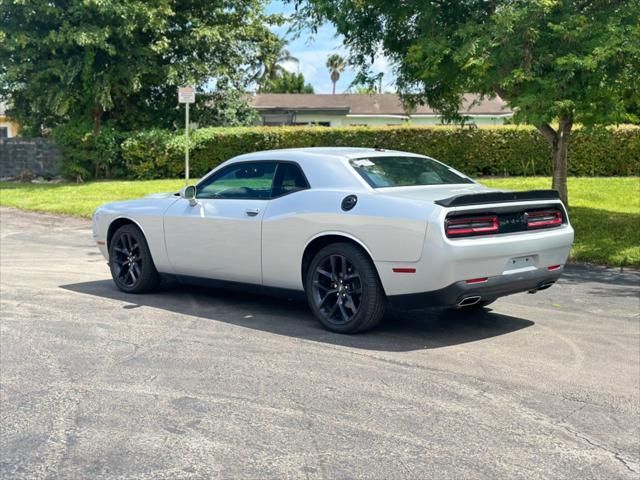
(8,128)
(371,110)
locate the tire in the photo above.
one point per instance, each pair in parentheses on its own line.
(130,261)
(350,301)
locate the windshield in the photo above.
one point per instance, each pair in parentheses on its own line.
(380,172)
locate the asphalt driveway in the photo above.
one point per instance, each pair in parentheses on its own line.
(196,383)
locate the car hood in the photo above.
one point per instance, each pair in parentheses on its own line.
(432,193)
(160,195)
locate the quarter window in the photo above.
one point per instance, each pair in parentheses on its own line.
(289,179)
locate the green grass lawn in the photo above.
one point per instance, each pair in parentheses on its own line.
(79,199)
(605,212)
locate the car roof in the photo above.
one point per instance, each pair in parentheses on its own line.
(324,167)
(321,153)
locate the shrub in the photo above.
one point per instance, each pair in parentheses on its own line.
(152,154)
(86,155)
(494,151)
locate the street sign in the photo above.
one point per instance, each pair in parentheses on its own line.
(186,95)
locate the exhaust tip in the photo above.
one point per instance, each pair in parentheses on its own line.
(468,301)
(543,286)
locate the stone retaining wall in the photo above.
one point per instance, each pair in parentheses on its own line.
(39,156)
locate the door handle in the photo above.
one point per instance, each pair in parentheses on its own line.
(252,212)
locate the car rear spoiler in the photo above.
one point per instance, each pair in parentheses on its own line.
(498,197)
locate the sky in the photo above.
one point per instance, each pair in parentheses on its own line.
(312,53)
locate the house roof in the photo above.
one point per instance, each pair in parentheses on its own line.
(359,104)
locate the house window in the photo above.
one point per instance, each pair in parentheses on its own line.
(312,124)
(4,132)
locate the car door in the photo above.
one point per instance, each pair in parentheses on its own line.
(219,236)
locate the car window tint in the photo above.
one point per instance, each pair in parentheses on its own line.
(289,179)
(392,171)
(246,180)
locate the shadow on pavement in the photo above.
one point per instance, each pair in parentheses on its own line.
(604,282)
(575,273)
(400,331)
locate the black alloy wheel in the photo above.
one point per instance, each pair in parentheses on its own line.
(343,289)
(337,289)
(130,261)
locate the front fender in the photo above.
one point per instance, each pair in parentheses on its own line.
(147,214)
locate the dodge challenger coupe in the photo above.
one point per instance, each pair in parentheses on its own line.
(355,229)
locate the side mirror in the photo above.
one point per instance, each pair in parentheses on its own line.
(189,193)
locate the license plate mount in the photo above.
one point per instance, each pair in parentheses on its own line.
(521,264)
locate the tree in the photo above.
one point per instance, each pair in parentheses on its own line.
(224,108)
(335,64)
(367,85)
(120,59)
(287,82)
(363,90)
(556,62)
(268,64)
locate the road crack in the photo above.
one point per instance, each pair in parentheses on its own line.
(617,455)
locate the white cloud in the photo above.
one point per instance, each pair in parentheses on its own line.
(291,66)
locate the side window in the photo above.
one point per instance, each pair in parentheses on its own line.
(289,179)
(246,180)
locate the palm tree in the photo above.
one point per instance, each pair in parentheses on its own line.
(335,64)
(270,61)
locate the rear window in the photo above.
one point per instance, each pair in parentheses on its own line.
(380,172)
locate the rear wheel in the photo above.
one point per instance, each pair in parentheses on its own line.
(130,261)
(343,289)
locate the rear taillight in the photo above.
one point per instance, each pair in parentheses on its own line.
(472,226)
(547,218)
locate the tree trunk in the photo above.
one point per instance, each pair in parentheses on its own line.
(559,162)
(97,126)
(559,142)
(97,119)
(334,88)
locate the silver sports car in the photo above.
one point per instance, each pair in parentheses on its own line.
(355,229)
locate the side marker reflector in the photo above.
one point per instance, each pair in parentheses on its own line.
(100,242)
(554,267)
(477,280)
(404,270)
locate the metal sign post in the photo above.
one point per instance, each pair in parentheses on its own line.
(186,95)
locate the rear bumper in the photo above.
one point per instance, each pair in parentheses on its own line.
(494,287)
(446,262)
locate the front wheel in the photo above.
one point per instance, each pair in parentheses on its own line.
(343,289)
(130,261)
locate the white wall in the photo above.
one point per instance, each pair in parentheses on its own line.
(375,121)
(345,120)
(480,120)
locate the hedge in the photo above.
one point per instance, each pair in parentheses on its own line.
(493,151)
